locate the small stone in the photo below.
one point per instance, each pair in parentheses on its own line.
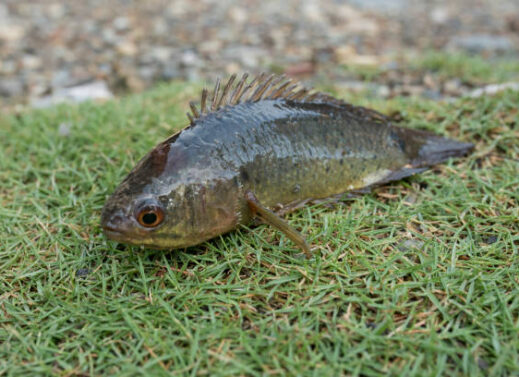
(411,244)
(127,48)
(363,25)
(429,81)
(55,10)
(383,91)
(11,88)
(493,89)
(249,57)
(31,62)
(478,43)
(4,12)
(384,7)
(192,74)
(323,55)
(178,8)
(61,78)
(147,72)
(439,15)
(171,71)
(82,272)
(232,68)
(410,199)
(39,89)
(313,11)
(121,23)
(412,90)
(64,129)
(452,87)
(492,239)
(95,90)
(11,32)
(238,15)
(189,59)
(210,47)
(8,67)
(109,36)
(160,27)
(432,94)
(391,65)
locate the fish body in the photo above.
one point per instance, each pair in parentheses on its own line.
(279,148)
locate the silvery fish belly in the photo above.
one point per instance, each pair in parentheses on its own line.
(254,148)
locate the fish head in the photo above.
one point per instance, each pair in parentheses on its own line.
(135,219)
(168,202)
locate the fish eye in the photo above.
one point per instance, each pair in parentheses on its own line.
(150,215)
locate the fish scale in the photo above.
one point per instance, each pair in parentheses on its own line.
(255,149)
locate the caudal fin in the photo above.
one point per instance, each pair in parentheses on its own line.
(426,149)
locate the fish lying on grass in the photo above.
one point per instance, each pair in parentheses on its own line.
(261,148)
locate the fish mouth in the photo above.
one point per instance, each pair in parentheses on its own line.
(114,234)
(121,236)
(117,236)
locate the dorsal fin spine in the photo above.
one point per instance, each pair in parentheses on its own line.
(264,87)
(237,92)
(190,117)
(226,91)
(194,110)
(257,95)
(243,97)
(203,101)
(274,85)
(281,89)
(215,95)
(287,91)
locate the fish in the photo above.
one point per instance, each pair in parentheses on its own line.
(258,148)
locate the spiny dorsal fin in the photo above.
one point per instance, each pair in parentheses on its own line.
(265,87)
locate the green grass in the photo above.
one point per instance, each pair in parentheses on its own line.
(419,278)
(470,69)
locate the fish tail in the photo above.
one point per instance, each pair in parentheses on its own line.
(425,148)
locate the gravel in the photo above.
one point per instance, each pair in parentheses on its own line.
(48,46)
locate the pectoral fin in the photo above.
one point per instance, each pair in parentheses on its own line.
(271,218)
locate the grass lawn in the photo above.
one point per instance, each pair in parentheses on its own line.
(419,278)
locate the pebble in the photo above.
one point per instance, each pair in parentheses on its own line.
(121,23)
(190,59)
(411,244)
(10,32)
(31,62)
(161,54)
(82,272)
(440,15)
(64,129)
(96,90)
(480,43)
(393,7)
(4,12)
(51,47)
(127,48)
(11,88)
(493,89)
(491,239)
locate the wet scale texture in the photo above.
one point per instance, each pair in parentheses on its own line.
(283,150)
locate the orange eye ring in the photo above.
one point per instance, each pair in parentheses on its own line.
(150,216)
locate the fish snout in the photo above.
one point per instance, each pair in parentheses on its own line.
(114,221)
